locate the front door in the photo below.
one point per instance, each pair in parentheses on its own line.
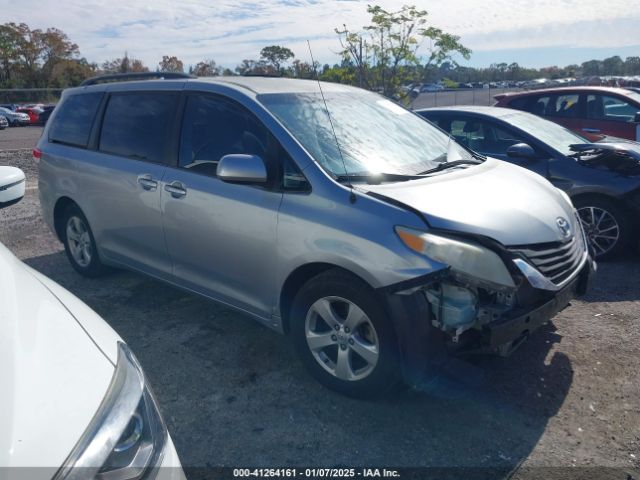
(221,236)
(610,115)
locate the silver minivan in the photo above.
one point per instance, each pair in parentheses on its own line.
(326,212)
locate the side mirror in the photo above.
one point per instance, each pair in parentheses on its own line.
(636,118)
(12,186)
(240,168)
(522,150)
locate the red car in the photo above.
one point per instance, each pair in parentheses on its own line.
(593,112)
(33,112)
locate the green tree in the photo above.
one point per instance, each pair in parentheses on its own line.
(206,68)
(124,65)
(255,67)
(10,42)
(71,72)
(300,69)
(385,52)
(592,67)
(28,57)
(632,66)
(613,66)
(276,56)
(171,64)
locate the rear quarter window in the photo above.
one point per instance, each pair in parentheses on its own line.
(519,103)
(74,119)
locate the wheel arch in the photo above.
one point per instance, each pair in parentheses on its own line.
(58,210)
(296,280)
(616,200)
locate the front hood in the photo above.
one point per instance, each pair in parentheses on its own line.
(496,199)
(53,375)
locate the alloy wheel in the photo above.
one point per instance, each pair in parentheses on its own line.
(342,338)
(601,228)
(79,241)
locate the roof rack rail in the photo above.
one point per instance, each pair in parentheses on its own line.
(122,77)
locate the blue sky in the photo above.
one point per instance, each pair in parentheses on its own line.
(532,33)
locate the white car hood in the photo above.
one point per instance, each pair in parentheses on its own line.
(53,374)
(496,199)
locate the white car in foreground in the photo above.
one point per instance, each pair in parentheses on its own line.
(74,400)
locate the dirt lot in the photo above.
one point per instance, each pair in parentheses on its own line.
(234,394)
(19,137)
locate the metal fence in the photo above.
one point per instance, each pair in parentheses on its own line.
(448,98)
(30,95)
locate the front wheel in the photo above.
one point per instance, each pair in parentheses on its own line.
(344,337)
(605,225)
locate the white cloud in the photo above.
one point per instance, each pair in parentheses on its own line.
(229,31)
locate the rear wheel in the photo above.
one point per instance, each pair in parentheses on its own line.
(79,244)
(344,337)
(605,225)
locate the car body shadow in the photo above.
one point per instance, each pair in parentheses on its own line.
(234,394)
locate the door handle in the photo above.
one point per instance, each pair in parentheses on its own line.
(176,189)
(147,182)
(591,130)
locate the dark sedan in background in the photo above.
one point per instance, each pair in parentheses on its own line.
(593,112)
(602,179)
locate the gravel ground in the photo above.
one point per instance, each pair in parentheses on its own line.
(19,137)
(234,394)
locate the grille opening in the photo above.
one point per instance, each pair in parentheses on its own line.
(557,261)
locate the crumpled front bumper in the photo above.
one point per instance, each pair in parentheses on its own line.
(513,329)
(423,348)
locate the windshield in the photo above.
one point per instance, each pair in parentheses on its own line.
(635,96)
(375,135)
(554,135)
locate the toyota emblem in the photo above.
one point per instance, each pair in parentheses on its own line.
(564,227)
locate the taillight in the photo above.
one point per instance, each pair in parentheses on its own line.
(37,154)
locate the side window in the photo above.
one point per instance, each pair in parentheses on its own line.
(565,106)
(292,177)
(74,119)
(138,125)
(467,132)
(605,107)
(436,120)
(482,136)
(520,103)
(214,127)
(539,105)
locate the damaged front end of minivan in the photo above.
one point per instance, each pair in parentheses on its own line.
(485,298)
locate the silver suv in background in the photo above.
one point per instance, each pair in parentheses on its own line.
(336,216)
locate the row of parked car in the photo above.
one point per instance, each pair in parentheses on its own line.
(14,115)
(381,244)
(582,139)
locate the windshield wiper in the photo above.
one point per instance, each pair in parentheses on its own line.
(455,163)
(376,178)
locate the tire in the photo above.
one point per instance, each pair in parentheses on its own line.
(320,311)
(79,244)
(606,225)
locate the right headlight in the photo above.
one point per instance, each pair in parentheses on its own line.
(127,435)
(466,258)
